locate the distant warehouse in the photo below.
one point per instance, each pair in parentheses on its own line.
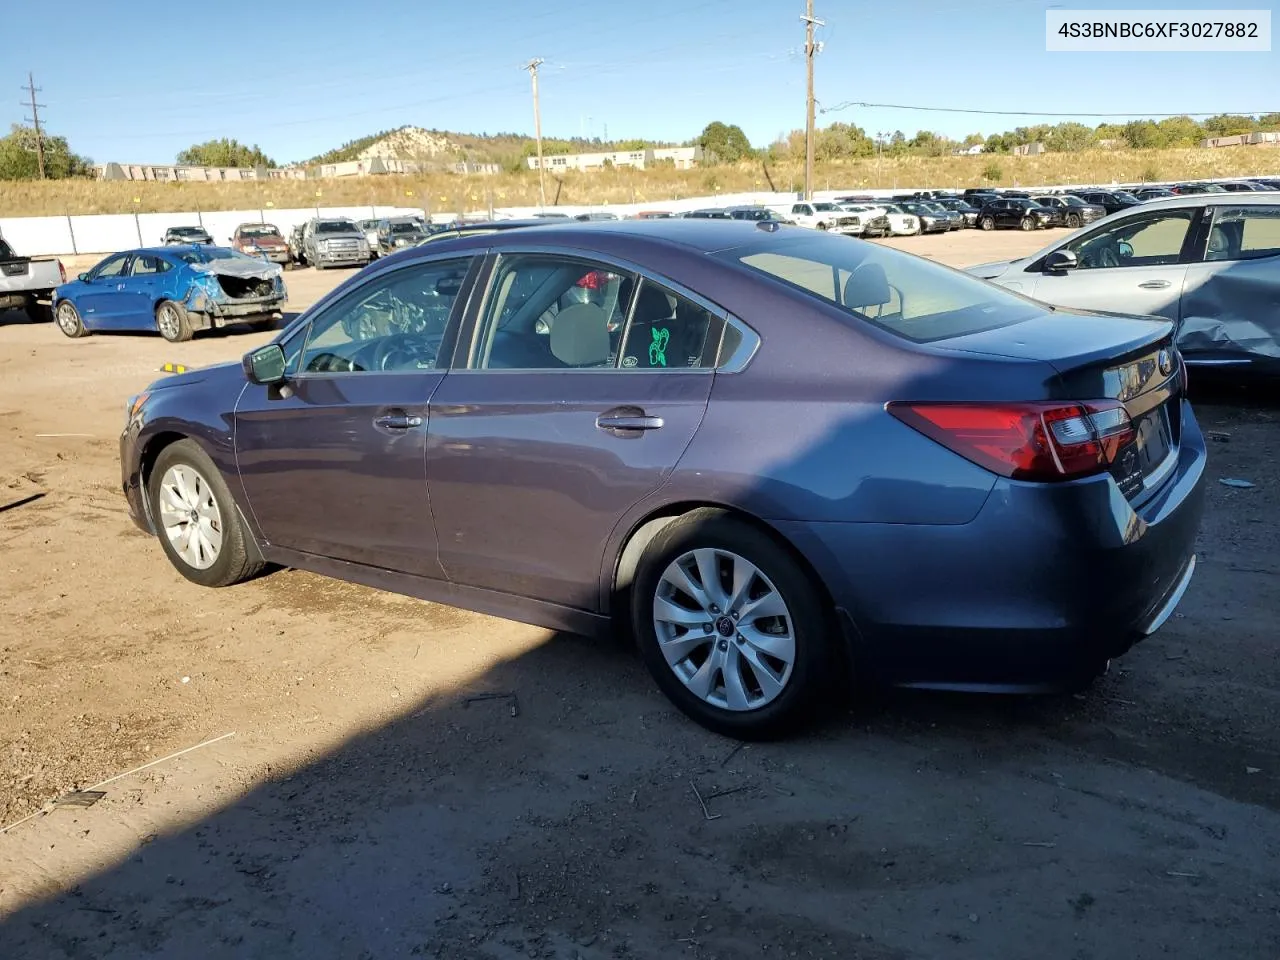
(681,157)
(1269,137)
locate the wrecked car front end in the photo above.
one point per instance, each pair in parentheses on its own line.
(234,290)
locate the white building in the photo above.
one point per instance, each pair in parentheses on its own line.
(682,157)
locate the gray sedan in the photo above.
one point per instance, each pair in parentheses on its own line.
(767,454)
(1208,262)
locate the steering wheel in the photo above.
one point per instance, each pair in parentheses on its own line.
(405,351)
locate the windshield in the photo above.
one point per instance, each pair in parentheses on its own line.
(336,226)
(405,228)
(916,208)
(925,301)
(258,230)
(1127,197)
(186,231)
(6,251)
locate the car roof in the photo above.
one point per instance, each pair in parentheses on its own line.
(1265,198)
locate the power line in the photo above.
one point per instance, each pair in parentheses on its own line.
(1035,113)
(34,119)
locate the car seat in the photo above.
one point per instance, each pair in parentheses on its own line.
(1219,245)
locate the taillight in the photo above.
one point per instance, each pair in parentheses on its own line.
(62,271)
(1026,441)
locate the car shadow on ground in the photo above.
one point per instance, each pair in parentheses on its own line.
(557,806)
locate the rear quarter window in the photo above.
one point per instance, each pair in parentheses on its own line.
(904,295)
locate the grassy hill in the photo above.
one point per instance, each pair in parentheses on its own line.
(441,192)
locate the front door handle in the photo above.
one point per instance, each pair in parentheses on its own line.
(1154,284)
(397,421)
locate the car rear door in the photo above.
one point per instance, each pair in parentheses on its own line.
(333,463)
(141,290)
(581,386)
(1134,265)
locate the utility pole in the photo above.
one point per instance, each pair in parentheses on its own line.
(32,89)
(532,67)
(810,49)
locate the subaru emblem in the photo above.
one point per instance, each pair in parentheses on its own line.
(1165,360)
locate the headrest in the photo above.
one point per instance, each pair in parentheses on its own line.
(580,336)
(867,286)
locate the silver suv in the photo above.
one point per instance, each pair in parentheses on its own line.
(335,242)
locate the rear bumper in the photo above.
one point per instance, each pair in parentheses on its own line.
(1046,583)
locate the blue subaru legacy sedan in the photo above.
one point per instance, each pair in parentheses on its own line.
(174,289)
(763,451)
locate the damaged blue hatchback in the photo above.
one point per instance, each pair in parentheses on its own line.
(176,290)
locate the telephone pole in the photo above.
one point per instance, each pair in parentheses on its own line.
(810,50)
(32,89)
(532,66)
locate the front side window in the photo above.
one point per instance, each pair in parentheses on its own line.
(394,324)
(550,312)
(1144,240)
(1244,233)
(904,295)
(801,208)
(111,267)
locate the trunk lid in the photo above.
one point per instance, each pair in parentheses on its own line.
(1098,356)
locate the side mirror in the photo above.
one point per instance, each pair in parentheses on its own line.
(83,278)
(1060,261)
(265,365)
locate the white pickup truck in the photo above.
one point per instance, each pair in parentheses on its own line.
(817,215)
(27,284)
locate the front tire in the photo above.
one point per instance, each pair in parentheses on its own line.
(1073,221)
(987,223)
(197,521)
(822,227)
(173,322)
(1027,224)
(730,626)
(68,319)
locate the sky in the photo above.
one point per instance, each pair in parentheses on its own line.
(140,87)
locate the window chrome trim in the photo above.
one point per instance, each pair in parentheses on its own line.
(746,350)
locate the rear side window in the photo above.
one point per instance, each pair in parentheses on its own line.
(1244,233)
(904,295)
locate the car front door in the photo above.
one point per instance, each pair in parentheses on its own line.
(333,463)
(581,387)
(104,299)
(1135,265)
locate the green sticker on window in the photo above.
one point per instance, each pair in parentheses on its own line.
(658,349)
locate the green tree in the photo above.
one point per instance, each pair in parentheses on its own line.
(1143,135)
(842,141)
(1000,143)
(1228,125)
(1069,138)
(973,139)
(1180,132)
(224,153)
(726,141)
(1269,121)
(19,160)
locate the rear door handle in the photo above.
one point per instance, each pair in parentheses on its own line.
(628,422)
(397,421)
(1154,284)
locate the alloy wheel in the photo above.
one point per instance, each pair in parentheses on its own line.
(167,319)
(68,322)
(724,629)
(190,517)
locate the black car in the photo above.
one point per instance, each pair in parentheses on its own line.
(1016,212)
(968,212)
(1186,189)
(1268,182)
(708,213)
(1111,201)
(396,233)
(1153,193)
(180,235)
(979,195)
(755,213)
(1242,186)
(931,221)
(1071,211)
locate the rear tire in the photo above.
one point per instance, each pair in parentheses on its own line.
(987,223)
(172,321)
(68,319)
(185,479)
(773,668)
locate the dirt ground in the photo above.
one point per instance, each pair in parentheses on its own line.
(356,804)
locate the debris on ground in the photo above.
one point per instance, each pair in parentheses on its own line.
(1237,484)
